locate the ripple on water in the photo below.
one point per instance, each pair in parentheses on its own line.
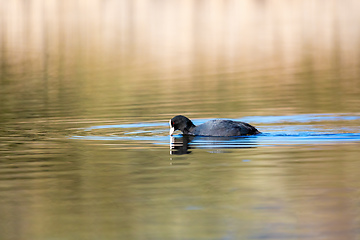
(276,130)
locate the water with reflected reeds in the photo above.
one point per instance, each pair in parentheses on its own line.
(87,90)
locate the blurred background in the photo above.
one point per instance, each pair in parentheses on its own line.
(109,58)
(87,88)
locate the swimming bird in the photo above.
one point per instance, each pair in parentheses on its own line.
(214,128)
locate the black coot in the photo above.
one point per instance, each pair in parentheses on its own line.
(215,128)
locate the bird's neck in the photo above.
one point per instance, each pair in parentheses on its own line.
(189,129)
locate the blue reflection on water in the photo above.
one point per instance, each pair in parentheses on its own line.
(302,129)
(301,118)
(132,125)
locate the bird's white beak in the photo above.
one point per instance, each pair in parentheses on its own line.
(172,130)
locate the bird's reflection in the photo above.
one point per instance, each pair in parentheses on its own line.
(180,145)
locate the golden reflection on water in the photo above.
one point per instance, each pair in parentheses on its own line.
(253,57)
(98,190)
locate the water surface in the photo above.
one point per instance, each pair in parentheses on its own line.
(297,180)
(87,89)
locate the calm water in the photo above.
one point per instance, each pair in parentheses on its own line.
(87,90)
(63,179)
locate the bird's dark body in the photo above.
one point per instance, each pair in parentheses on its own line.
(214,128)
(224,128)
